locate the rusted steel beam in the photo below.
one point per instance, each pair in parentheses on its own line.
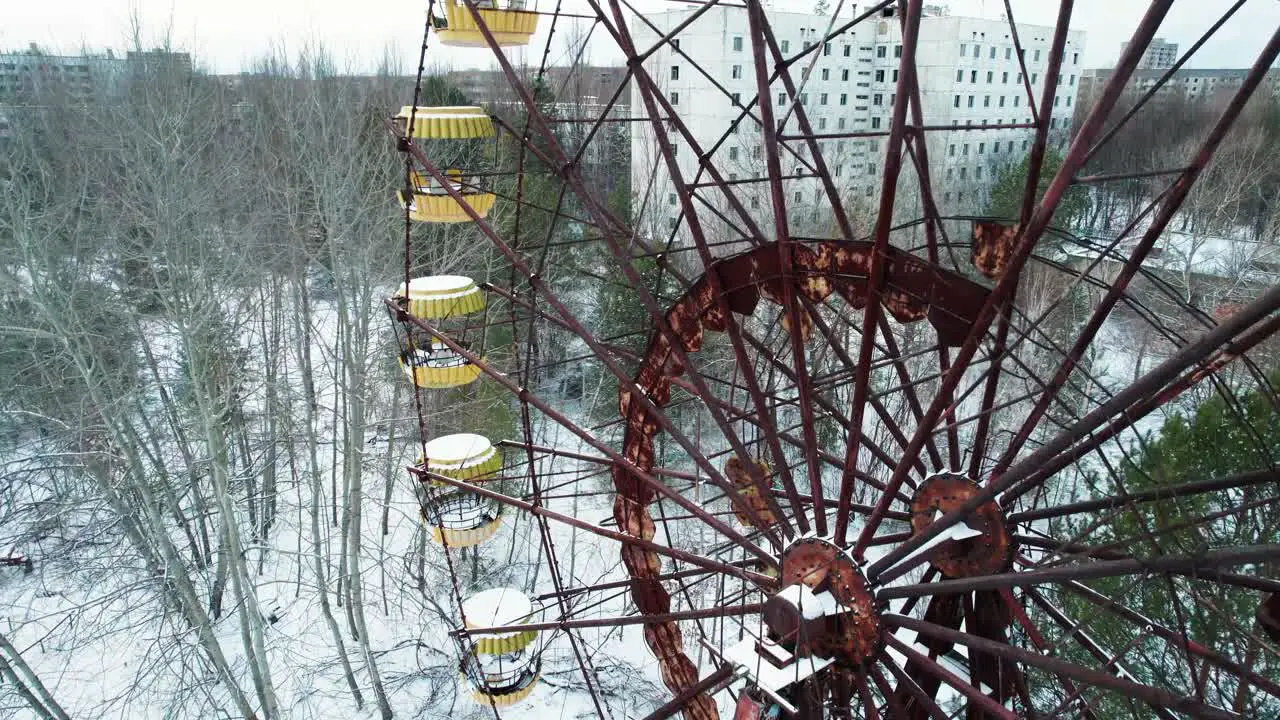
(1155,494)
(527,396)
(1160,82)
(782,238)
(715,612)
(1097,678)
(976,697)
(1149,383)
(1173,637)
(1037,639)
(1172,203)
(708,684)
(1179,564)
(1028,236)
(875,287)
(673,553)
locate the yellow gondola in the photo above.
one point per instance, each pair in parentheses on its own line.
(437,297)
(510,21)
(438,368)
(459,519)
(463,456)
(432,202)
(502,669)
(451,122)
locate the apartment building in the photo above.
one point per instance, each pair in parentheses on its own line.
(1159,55)
(27,76)
(1192,83)
(970,78)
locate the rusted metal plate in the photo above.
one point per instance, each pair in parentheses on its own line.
(853,635)
(985,554)
(737,472)
(993,245)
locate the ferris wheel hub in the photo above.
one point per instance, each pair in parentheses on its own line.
(982,545)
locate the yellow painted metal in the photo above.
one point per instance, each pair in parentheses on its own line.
(437,378)
(456,538)
(449,122)
(442,208)
(503,700)
(471,473)
(430,302)
(510,28)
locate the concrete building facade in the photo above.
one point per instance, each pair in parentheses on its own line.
(970,77)
(1159,55)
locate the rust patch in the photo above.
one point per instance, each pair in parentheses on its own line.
(736,471)
(985,554)
(993,244)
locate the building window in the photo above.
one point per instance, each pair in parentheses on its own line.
(1055,101)
(1053,123)
(844,76)
(990,76)
(973,76)
(970,101)
(736,72)
(822,99)
(947,196)
(1016,100)
(950,172)
(1037,57)
(1068,101)
(951,150)
(1009,147)
(1001,101)
(847,48)
(804,98)
(782,99)
(737,43)
(822,123)
(675,43)
(879,76)
(675,98)
(993,52)
(981,146)
(1004,78)
(1024,145)
(797,196)
(844,98)
(964,149)
(877,99)
(986,101)
(963,49)
(875,123)
(736,99)
(675,72)
(895,76)
(1072,80)
(959,76)
(956,101)
(675,150)
(1008,53)
(963,173)
(838,169)
(1075,58)
(977,51)
(733,176)
(671,198)
(733,153)
(977,172)
(1035,77)
(1019,78)
(995,148)
(960,196)
(871,168)
(755,152)
(882,51)
(897,51)
(786,46)
(826,49)
(755,203)
(840,126)
(826,73)
(673,222)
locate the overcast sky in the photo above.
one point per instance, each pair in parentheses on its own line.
(227,35)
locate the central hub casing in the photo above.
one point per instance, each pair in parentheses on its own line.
(824,608)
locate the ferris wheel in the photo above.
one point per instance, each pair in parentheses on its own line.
(880,466)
